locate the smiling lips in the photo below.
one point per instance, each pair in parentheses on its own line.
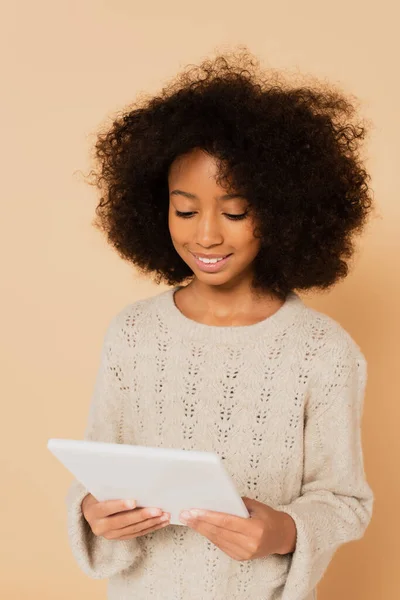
(209,255)
(211,266)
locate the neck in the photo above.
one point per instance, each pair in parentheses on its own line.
(224,302)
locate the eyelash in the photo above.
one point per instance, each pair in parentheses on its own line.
(188,215)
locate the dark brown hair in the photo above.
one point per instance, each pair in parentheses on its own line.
(292,150)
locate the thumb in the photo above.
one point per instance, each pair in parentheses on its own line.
(251,504)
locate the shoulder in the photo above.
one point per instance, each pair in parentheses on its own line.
(329,342)
(338,371)
(132,319)
(335,358)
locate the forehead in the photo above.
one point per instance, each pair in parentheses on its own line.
(194,174)
(196,164)
(190,196)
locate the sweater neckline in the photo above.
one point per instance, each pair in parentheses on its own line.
(282,319)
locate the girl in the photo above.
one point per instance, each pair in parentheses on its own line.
(245,189)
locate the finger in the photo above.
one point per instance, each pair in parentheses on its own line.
(131,517)
(224,520)
(111,532)
(231,550)
(145,529)
(250,503)
(110,507)
(235,544)
(219,535)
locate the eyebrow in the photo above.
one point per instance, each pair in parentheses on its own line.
(194,197)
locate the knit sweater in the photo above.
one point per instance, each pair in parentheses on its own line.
(280,401)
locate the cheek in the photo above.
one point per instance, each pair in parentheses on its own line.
(250,251)
(176,231)
(244,241)
(252,243)
(178,236)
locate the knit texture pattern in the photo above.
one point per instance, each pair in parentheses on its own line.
(281,403)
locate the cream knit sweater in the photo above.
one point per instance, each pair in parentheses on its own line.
(280,401)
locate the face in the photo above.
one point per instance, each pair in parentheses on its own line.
(210,226)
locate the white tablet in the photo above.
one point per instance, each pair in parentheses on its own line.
(167,478)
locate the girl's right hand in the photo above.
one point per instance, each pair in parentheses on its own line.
(112,520)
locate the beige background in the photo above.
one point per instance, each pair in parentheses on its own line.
(66,66)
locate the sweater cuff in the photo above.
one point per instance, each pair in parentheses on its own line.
(310,558)
(96,556)
(314,547)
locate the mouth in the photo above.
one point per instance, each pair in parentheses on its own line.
(213,266)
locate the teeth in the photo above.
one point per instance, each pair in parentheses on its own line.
(210,260)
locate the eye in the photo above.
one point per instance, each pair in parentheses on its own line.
(188,215)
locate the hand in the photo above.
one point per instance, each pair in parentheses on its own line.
(112,519)
(266,532)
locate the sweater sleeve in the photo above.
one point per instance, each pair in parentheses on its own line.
(335,504)
(97,556)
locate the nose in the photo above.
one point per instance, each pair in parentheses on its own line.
(208,231)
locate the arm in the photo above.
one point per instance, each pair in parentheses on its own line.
(98,557)
(286,526)
(335,505)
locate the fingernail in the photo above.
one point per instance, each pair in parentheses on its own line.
(130,503)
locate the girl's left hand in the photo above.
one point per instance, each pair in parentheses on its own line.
(242,538)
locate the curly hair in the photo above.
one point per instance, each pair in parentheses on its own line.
(291,150)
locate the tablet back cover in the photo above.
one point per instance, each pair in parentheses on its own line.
(169,478)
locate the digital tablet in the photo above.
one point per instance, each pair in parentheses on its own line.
(167,478)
